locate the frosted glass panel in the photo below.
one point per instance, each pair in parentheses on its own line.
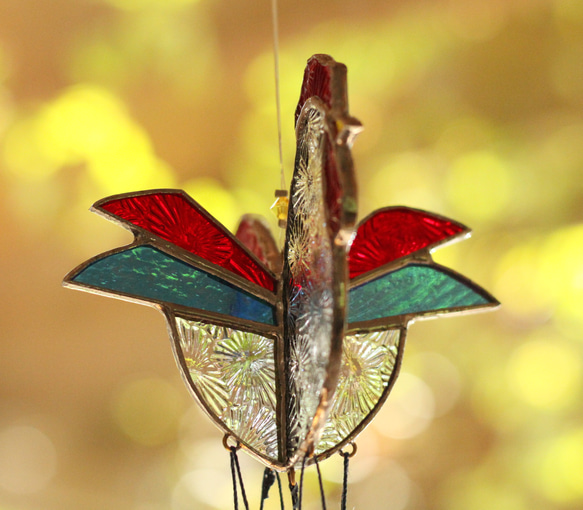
(368,362)
(234,373)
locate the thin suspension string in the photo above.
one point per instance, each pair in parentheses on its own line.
(236,473)
(295,495)
(280,490)
(321,484)
(346,457)
(269,477)
(268,481)
(274,16)
(301,489)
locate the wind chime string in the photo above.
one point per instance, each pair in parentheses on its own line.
(294,493)
(268,481)
(301,489)
(321,484)
(274,15)
(269,477)
(236,474)
(346,456)
(280,490)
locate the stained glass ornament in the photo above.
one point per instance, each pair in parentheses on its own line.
(291,354)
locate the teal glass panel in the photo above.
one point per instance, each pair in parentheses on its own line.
(147,273)
(412,289)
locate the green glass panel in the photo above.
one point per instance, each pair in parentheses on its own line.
(146,273)
(412,289)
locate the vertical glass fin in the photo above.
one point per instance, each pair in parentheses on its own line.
(233,374)
(308,281)
(316,82)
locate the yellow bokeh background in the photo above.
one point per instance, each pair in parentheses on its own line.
(471,109)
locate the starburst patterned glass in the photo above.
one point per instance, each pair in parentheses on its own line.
(369,361)
(308,281)
(233,374)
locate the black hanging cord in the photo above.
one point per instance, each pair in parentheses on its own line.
(346,456)
(301,490)
(294,492)
(269,477)
(268,481)
(236,473)
(280,490)
(321,484)
(243,494)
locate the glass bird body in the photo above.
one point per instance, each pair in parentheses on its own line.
(290,354)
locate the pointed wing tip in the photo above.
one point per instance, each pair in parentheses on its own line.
(492,303)
(99,205)
(69,279)
(395,232)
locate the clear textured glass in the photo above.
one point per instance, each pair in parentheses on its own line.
(234,373)
(368,362)
(308,283)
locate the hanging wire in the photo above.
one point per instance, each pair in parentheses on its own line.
(236,473)
(280,490)
(274,16)
(294,493)
(347,456)
(301,491)
(269,477)
(268,481)
(321,484)
(344,480)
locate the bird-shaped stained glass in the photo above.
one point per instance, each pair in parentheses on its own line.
(291,353)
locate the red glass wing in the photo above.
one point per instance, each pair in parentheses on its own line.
(392,233)
(181,221)
(254,233)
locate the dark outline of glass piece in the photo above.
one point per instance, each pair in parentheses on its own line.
(255,272)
